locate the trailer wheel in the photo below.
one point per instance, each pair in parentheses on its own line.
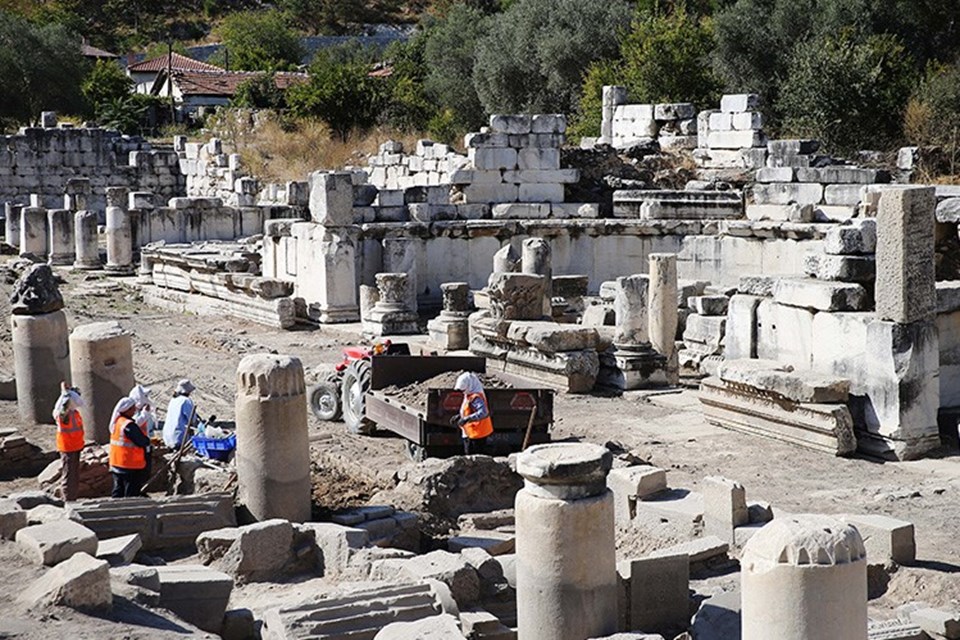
(324,400)
(356,384)
(416,452)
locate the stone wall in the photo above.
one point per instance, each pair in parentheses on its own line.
(44,161)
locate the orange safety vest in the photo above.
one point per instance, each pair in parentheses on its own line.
(477,428)
(124,454)
(70,432)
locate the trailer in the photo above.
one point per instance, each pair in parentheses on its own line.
(426,426)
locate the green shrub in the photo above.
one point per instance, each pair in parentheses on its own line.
(259,41)
(933,113)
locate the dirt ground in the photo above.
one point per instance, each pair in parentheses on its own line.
(667,430)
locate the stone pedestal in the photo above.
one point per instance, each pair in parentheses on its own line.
(87,240)
(395,311)
(119,241)
(101,358)
(566,563)
(663,312)
(450,329)
(41,356)
(536,259)
(62,249)
(11,227)
(327,271)
(804,578)
(273,449)
(34,233)
(613,96)
(145,272)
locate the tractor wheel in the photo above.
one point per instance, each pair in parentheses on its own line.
(324,399)
(354,388)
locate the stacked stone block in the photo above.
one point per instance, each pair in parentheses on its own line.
(732,137)
(430,165)
(516,160)
(672,125)
(704,331)
(211,173)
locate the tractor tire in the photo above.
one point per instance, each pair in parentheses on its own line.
(324,400)
(353,398)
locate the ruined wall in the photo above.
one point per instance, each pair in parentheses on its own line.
(43,161)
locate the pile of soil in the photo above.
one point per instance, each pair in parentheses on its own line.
(415,395)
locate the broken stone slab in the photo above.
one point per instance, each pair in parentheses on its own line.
(81,582)
(12,519)
(495,543)
(757,285)
(638,481)
(724,507)
(885,538)
(551,337)
(677,205)
(820,295)
(260,552)
(937,622)
(46,513)
(55,542)
(707,330)
(740,335)
(654,593)
(948,211)
(894,630)
(791,212)
(483,624)
(36,292)
(119,551)
(821,427)
(708,305)
(442,627)
(798,386)
(197,594)
(822,266)
(449,568)
(337,544)
(841,175)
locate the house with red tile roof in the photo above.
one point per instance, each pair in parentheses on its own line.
(192,90)
(144,74)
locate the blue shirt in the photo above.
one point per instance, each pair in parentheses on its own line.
(175,424)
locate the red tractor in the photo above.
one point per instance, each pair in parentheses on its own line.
(342,395)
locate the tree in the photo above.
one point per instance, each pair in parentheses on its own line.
(40,69)
(846,91)
(535,54)
(450,55)
(933,113)
(589,113)
(259,92)
(341,93)
(260,41)
(408,106)
(106,82)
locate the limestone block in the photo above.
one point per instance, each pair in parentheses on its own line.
(482,193)
(448,568)
(740,102)
(840,346)
(785,333)
(511,124)
(495,543)
(708,305)
(119,551)
(798,386)
(575,210)
(783,148)
(842,194)
(631,308)
(822,266)
(788,192)
(655,593)
(551,337)
(549,123)
(260,551)
(196,593)
(538,159)
(839,175)
(820,295)
(903,394)
(630,484)
(747,121)
(516,296)
(441,627)
(835,213)
(674,111)
(81,582)
(12,519)
(948,211)
(905,289)
(776,174)
(529,192)
(740,335)
(936,622)
(761,286)
(677,142)
(792,212)
(885,538)
(54,542)
(331,198)
(735,139)
(725,507)
(337,544)
(857,238)
(721,121)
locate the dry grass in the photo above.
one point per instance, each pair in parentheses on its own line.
(276,151)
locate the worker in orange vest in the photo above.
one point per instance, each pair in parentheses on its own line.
(129,448)
(474,418)
(69,439)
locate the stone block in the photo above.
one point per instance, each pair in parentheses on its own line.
(677,142)
(538,159)
(905,289)
(674,111)
(797,386)
(197,594)
(12,519)
(551,337)
(699,550)
(521,211)
(548,123)
(337,544)
(857,238)
(740,335)
(839,175)
(820,295)
(331,198)
(630,484)
(776,174)
(677,205)
(936,622)
(735,139)
(81,582)
(440,627)
(747,121)
(575,210)
(655,593)
(119,551)
(260,551)
(709,305)
(842,194)
(725,507)
(823,266)
(54,542)
(490,193)
(886,538)
(792,212)
(739,102)
(787,193)
(706,330)
(495,543)
(487,139)
(528,192)
(239,624)
(511,124)
(948,211)
(761,286)
(840,346)
(720,121)
(448,568)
